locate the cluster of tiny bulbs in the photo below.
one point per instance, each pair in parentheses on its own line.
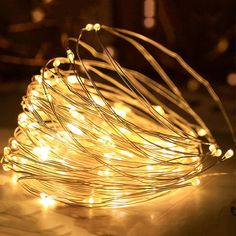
(97,134)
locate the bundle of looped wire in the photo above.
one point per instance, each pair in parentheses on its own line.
(94,133)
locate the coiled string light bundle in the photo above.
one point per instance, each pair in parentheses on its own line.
(94,133)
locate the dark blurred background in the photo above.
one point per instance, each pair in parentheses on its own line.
(202,32)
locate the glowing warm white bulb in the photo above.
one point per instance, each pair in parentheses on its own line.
(47,75)
(196,181)
(14,144)
(76,114)
(192,133)
(201,132)
(33,125)
(41,152)
(23,161)
(108,155)
(14,178)
(97,27)
(38,78)
(73,79)
(159,109)
(150,168)
(56,63)
(212,148)
(218,153)
(6,167)
(31,108)
(104,173)
(119,112)
(34,93)
(74,129)
(46,200)
(195,158)
(22,119)
(70,55)
(229,153)
(104,139)
(176,170)
(6,151)
(124,130)
(126,153)
(91,200)
(89,27)
(98,100)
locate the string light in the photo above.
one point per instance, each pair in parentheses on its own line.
(93,133)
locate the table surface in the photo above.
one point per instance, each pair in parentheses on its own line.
(199,210)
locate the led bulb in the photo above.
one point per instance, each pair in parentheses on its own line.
(89,27)
(38,78)
(218,153)
(160,110)
(46,200)
(14,144)
(70,55)
(196,181)
(72,79)
(74,129)
(201,132)
(97,27)
(229,154)
(6,151)
(126,153)
(149,168)
(6,167)
(41,152)
(14,178)
(119,112)
(98,100)
(212,148)
(56,63)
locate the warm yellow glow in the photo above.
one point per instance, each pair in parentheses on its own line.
(104,173)
(56,63)
(202,132)
(74,129)
(126,153)
(196,181)
(73,79)
(14,144)
(41,152)
(98,100)
(212,147)
(46,201)
(218,152)
(150,168)
(14,178)
(92,139)
(70,55)
(229,153)
(160,110)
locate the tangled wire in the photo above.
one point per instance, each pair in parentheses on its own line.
(94,133)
